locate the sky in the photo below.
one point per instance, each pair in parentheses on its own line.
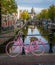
(38,5)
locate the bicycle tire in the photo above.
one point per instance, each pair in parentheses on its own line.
(9,53)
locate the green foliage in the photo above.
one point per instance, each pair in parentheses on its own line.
(8,6)
(47,13)
(25,31)
(25,15)
(51,12)
(44,13)
(38,16)
(33,39)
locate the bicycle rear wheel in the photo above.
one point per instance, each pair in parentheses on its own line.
(13,49)
(37,48)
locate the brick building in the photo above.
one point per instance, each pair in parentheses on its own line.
(9,20)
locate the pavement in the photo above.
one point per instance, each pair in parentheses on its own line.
(46,59)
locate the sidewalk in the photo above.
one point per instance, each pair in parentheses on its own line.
(28,60)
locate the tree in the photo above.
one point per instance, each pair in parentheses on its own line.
(25,15)
(8,6)
(44,14)
(51,12)
(38,16)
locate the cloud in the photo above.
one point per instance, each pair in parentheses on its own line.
(35,3)
(30,1)
(50,0)
(37,10)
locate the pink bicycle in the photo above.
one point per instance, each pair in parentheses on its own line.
(14,48)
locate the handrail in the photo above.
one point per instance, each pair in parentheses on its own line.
(24,35)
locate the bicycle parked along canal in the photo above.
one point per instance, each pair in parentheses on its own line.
(16,47)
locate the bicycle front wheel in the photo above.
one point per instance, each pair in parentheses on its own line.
(13,49)
(37,49)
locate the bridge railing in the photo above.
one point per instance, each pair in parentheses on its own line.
(2,46)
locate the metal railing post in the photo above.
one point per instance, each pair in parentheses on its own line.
(50,42)
(23,50)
